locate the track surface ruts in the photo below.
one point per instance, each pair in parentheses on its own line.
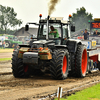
(6,55)
(36,86)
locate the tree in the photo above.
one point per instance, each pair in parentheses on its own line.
(81,18)
(8,18)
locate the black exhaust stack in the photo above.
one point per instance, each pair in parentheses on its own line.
(47,36)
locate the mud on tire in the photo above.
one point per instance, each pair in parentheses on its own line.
(81,61)
(18,68)
(59,64)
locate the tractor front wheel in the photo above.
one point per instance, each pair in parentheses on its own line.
(18,68)
(60,64)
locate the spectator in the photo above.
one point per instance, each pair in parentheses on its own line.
(85,35)
(96,33)
(0,43)
(4,44)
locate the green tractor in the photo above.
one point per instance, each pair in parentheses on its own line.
(11,41)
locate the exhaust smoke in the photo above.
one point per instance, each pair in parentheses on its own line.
(51,6)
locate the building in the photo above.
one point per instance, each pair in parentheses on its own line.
(22,33)
(25,36)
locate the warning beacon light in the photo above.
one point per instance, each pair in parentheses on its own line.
(70,16)
(40,16)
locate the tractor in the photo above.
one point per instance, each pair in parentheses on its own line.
(11,41)
(60,56)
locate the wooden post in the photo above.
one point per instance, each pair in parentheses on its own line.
(59,93)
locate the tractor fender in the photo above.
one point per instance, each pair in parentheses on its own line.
(72,45)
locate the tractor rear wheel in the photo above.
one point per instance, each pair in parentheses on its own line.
(18,68)
(60,64)
(81,61)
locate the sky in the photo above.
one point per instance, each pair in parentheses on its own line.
(29,10)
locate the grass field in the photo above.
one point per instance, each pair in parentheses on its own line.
(92,93)
(5,59)
(6,50)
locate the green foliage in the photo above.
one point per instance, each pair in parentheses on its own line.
(8,31)
(92,93)
(1,34)
(8,18)
(81,18)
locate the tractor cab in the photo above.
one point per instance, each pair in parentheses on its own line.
(45,32)
(61,29)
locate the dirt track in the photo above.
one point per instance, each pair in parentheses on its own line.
(6,55)
(36,86)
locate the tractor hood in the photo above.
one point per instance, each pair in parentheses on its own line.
(43,42)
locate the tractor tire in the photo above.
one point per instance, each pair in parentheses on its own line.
(60,64)
(19,70)
(72,64)
(98,65)
(81,61)
(7,44)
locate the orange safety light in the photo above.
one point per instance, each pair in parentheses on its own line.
(70,16)
(40,15)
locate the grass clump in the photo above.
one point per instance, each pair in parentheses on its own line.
(5,59)
(92,93)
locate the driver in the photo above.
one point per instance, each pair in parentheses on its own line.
(54,32)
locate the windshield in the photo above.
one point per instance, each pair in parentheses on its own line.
(65,31)
(54,31)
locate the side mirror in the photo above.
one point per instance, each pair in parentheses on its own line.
(72,28)
(26,27)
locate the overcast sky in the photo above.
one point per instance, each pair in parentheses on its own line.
(29,10)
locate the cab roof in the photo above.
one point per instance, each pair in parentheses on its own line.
(54,21)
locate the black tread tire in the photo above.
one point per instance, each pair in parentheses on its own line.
(18,66)
(72,64)
(57,64)
(98,65)
(78,61)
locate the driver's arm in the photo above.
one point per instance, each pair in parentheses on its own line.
(53,31)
